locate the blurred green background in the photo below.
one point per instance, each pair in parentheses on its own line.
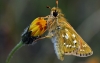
(16,15)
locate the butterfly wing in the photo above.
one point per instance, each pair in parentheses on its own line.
(74,44)
(67,41)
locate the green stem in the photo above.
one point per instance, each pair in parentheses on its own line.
(19,45)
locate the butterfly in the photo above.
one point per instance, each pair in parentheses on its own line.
(65,39)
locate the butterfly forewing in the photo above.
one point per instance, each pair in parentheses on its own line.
(83,50)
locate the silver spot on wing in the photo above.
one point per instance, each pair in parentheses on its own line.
(66,36)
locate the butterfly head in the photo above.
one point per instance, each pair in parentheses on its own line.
(56,12)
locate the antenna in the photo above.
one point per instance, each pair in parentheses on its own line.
(48,7)
(57,3)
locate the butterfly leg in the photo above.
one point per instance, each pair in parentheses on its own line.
(47,36)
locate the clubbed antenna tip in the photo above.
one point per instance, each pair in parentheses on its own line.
(48,7)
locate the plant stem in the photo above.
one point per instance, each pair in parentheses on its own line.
(19,45)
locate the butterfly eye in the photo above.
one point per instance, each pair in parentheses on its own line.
(55,13)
